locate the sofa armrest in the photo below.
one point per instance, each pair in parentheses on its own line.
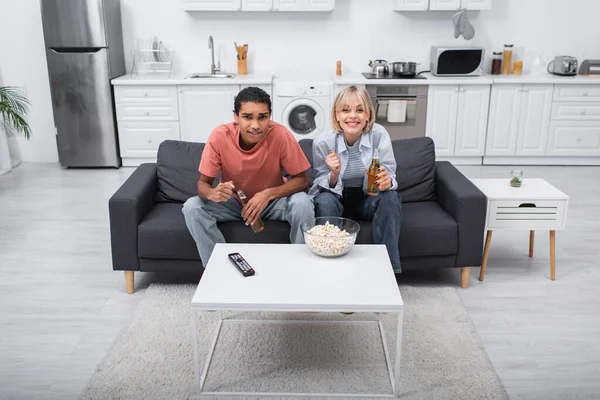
(127,208)
(460,198)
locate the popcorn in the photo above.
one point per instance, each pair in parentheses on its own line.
(329,240)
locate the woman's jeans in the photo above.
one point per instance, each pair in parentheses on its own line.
(385,210)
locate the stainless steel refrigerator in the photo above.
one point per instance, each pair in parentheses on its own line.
(84,51)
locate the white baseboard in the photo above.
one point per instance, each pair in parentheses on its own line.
(541,160)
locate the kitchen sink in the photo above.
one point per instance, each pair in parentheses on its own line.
(210,76)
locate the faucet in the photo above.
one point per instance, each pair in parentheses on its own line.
(211,45)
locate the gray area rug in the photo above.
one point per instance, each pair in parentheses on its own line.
(152,358)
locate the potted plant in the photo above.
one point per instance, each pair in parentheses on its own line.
(14,107)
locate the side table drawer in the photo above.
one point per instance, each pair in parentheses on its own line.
(527,214)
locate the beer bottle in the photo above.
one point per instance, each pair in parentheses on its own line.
(258,225)
(372,187)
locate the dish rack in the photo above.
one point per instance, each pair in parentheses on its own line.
(150,61)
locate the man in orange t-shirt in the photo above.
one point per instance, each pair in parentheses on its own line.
(250,154)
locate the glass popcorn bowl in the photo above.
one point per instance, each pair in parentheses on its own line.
(330,236)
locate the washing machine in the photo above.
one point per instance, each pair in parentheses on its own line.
(303,106)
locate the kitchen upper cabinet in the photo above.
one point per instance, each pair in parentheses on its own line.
(471,122)
(503,123)
(476,4)
(303,5)
(444,4)
(411,5)
(203,108)
(211,5)
(534,119)
(442,111)
(257,5)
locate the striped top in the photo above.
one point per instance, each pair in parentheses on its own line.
(355,171)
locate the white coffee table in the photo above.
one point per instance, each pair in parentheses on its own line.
(535,205)
(289,278)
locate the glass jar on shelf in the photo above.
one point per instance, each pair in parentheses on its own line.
(507,59)
(497,63)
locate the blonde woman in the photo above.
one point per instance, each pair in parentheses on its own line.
(341,158)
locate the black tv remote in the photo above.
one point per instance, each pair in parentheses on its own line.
(241,264)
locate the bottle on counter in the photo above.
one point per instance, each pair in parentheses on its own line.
(507,61)
(258,225)
(372,187)
(338,69)
(497,63)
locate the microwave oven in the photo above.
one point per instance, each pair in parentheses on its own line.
(457,61)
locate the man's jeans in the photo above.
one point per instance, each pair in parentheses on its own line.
(201,217)
(385,210)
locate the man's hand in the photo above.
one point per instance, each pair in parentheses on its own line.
(333,162)
(255,206)
(384,181)
(222,192)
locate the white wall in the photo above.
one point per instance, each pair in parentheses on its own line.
(23,63)
(292,43)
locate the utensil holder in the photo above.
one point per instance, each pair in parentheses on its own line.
(243,66)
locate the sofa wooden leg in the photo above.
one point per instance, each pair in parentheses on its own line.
(465,274)
(129,281)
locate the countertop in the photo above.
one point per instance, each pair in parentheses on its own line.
(357,78)
(250,79)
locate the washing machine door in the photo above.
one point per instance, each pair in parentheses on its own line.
(305,118)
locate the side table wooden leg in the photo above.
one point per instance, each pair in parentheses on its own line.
(552,255)
(486,251)
(465,274)
(531,236)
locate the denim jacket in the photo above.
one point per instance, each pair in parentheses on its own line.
(335,141)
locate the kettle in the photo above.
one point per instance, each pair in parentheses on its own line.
(563,65)
(379,67)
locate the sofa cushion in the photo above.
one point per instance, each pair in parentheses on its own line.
(177,170)
(163,234)
(415,172)
(306,145)
(427,230)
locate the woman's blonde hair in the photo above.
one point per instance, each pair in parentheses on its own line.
(349,95)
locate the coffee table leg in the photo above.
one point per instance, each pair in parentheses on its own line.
(552,255)
(531,236)
(196,361)
(398,354)
(486,252)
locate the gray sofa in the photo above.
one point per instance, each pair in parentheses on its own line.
(443,213)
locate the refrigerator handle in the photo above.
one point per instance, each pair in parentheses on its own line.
(84,50)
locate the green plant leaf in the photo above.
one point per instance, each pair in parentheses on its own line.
(14,107)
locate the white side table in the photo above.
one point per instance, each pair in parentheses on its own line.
(535,205)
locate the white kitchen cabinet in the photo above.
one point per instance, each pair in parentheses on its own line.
(410,5)
(471,122)
(444,4)
(141,139)
(519,118)
(442,111)
(503,123)
(203,108)
(457,119)
(257,5)
(574,138)
(536,104)
(476,4)
(211,5)
(320,5)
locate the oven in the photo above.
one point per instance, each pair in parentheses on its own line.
(400,109)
